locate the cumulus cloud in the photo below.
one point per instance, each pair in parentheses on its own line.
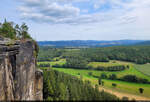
(69,11)
(59,11)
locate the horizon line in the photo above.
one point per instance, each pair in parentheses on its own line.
(97,40)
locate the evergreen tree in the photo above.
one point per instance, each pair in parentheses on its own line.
(99,81)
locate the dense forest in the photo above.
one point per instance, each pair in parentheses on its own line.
(80,57)
(47,53)
(136,54)
(60,86)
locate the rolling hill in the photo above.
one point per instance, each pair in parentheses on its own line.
(143,43)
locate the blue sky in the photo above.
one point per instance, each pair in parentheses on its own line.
(80,19)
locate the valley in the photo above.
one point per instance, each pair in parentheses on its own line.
(122,88)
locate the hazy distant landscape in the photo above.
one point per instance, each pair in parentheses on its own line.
(92,43)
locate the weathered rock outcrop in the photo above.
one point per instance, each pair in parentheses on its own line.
(19,78)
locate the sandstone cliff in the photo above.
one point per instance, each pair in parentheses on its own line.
(19,77)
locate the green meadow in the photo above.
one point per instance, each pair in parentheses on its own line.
(106,64)
(60,62)
(145,68)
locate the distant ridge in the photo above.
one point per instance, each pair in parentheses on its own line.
(144,43)
(88,43)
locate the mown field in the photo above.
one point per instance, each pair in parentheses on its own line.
(60,62)
(106,64)
(145,69)
(122,86)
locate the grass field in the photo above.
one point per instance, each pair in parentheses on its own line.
(74,49)
(119,74)
(60,62)
(106,64)
(124,87)
(145,68)
(127,87)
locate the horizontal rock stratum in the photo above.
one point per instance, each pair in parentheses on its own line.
(19,77)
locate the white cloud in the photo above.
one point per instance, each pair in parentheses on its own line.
(57,10)
(64,11)
(34,2)
(24,9)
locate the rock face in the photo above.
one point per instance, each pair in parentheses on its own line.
(19,78)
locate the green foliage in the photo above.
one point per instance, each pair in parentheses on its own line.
(76,62)
(113,77)
(136,54)
(16,32)
(90,73)
(103,76)
(24,31)
(99,80)
(133,78)
(47,53)
(102,83)
(122,86)
(114,84)
(12,31)
(60,86)
(132,54)
(107,66)
(111,68)
(6,30)
(141,90)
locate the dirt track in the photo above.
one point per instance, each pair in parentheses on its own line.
(120,95)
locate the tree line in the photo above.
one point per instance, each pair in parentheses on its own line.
(136,54)
(109,68)
(83,65)
(47,53)
(127,78)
